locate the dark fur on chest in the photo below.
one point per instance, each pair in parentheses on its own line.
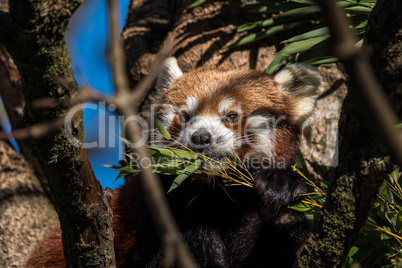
(224,227)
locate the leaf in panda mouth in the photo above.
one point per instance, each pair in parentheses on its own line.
(161,129)
(190,169)
(184,162)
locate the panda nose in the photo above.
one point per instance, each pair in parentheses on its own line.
(202,137)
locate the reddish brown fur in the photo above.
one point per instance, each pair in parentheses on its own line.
(259,95)
(126,201)
(49,253)
(257,92)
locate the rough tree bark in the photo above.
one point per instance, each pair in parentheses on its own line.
(363,161)
(27,214)
(33,33)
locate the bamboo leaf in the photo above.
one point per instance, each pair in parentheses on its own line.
(305,2)
(294,48)
(261,35)
(363,1)
(125,140)
(121,174)
(301,207)
(162,129)
(272,7)
(301,11)
(361,26)
(190,169)
(268,7)
(270,22)
(171,153)
(399,221)
(112,166)
(311,34)
(249,26)
(319,61)
(276,63)
(198,3)
(300,46)
(359,10)
(129,169)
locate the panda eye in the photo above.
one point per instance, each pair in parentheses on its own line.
(232,118)
(184,117)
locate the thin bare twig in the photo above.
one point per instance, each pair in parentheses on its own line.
(41,130)
(153,190)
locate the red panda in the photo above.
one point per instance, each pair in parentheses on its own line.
(222,114)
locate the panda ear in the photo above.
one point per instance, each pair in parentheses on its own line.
(169,73)
(301,83)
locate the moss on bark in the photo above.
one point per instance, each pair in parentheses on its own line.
(36,43)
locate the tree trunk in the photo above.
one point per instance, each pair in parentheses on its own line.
(363,161)
(33,33)
(27,214)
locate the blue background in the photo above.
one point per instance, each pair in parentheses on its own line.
(87,41)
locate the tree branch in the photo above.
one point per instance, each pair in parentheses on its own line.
(38,27)
(127,105)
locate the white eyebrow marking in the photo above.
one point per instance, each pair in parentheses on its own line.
(192,104)
(225,105)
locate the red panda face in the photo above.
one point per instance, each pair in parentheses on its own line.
(221,113)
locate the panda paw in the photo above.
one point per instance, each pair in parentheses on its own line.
(278,188)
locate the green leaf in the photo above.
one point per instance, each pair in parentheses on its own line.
(363,1)
(353,251)
(276,63)
(112,166)
(359,10)
(359,43)
(319,61)
(363,252)
(129,169)
(190,169)
(314,33)
(161,129)
(301,164)
(249,26)
(301,11)
(125,140)
(310,216)
(300,46)
(198,3)
(272,7)
(171,153)
(390,195)
(305,2)
(261,35)
(361,26)
(268,7)
(121,174)
(301,207)
(269,22)
(293,48)
(399,221)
